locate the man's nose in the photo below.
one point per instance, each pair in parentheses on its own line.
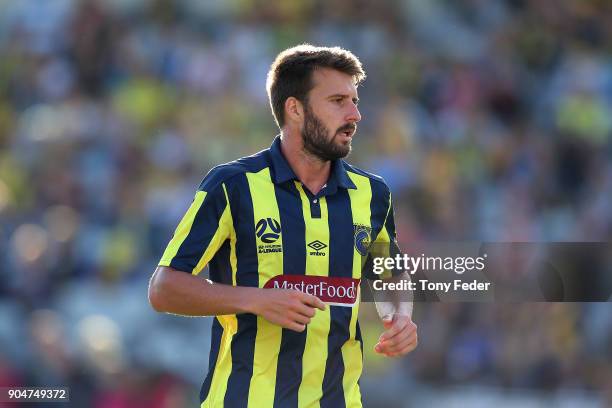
(353,114)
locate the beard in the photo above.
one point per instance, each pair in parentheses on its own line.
(316,139)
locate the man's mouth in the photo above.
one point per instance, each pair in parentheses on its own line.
(347,132)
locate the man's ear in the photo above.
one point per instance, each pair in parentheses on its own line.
(294,110)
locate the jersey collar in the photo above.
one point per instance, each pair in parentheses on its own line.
(283,172)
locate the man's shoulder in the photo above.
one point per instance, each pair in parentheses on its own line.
(375,179)
(222,173)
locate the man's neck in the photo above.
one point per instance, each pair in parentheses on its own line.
(310,170)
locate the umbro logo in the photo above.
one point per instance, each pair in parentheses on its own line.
(317,247)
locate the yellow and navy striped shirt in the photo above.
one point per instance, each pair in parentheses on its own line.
(252,222)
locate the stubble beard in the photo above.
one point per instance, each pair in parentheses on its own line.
(316,142)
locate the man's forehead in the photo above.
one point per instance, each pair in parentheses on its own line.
(327,80)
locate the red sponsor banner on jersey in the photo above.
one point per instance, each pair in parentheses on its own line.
(331,290)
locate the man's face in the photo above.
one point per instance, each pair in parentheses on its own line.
(330,115)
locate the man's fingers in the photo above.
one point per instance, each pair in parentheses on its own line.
(405,350)
(398,326)
(290,309)
(397,338)
(305,310)
(403,337)
(296,327)
(401,349)
(397,341)
(299,318)
(406,345)
(294,321)
(410,346)
(400,344)
(313,301)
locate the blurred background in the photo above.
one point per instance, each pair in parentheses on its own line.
(489,119)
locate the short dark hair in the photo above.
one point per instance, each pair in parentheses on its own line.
(291,73)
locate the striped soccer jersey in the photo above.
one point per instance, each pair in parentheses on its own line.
(256,225)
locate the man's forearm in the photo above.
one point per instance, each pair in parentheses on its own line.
(395,301)
(178,292)
(172,291)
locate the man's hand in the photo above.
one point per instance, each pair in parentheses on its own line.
(399,337)
(287,308)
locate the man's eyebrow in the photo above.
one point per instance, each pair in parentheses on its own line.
(355,99)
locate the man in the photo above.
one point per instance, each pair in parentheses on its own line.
(281,231)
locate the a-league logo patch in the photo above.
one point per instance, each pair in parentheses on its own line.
(268,230)
(363,238)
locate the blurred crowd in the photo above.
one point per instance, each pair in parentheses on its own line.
(490,121)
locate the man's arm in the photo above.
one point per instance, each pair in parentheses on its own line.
(181,293)
(400,335)
(392,302)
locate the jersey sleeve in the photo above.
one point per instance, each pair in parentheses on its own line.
(385,245)
(206,225)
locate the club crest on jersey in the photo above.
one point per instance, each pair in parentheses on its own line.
(362,237)
(268,230)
